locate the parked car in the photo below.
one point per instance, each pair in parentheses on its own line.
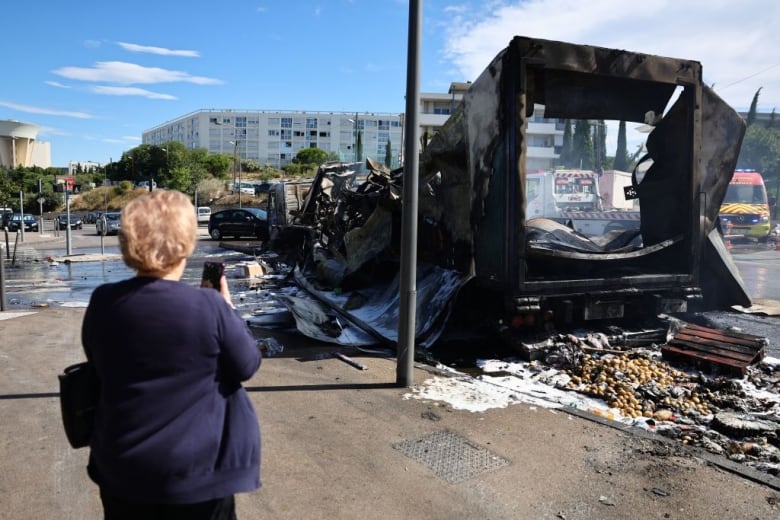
(111,220)
(75,221)
(30,222)
(204,214)
(237,223)
(90,217)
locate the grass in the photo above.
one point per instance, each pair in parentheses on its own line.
(114,199)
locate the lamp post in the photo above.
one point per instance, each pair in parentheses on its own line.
(354,137)
(236,166)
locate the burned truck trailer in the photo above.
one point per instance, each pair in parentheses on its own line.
(475,170)
(482,261)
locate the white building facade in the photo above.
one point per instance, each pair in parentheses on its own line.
(545,136)
(274,138)
(19,145)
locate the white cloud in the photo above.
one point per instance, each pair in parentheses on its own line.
(133,47)
(130,91)
(44,111)
(131,138)
(130,73)
(735,42)
(56,84)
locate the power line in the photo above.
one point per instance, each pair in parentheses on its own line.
(752,75)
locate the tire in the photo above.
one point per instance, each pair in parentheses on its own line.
(216,234)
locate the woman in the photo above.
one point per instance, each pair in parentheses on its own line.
(175,433)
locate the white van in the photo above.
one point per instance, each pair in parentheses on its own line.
(204,213)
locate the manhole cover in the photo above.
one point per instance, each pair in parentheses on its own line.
(450,456)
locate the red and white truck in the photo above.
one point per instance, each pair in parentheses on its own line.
(594,204)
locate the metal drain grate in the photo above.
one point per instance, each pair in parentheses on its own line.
(450,456)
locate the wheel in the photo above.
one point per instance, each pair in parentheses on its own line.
(216,234)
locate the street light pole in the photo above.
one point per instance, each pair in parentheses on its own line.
(236,167)
(408,278)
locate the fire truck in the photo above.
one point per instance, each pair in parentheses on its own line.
(744,213)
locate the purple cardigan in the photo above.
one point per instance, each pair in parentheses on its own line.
(174,425)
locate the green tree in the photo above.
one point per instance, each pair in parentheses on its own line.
(600,145)
(567,148)
(359,147)
(389,154)
(218,165)
(621,152)
(771,123)
(582,145)
(751,117)
(309,156)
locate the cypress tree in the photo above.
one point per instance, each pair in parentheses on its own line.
(751,117)
(567,148)
(389,154)
(582,145)
(359,147)
(621,152)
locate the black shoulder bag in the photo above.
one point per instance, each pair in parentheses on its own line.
(79,394)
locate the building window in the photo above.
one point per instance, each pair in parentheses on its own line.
(273,133)
(311,122)
(286,122)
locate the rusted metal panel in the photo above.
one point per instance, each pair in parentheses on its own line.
(730,350)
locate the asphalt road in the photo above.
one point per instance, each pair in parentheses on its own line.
(37,283)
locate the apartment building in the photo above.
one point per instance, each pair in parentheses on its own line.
(545,136)
(275,137)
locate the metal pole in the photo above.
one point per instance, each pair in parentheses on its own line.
(67,216)
(3,305)
(21,213)
(40,207)
(408,282)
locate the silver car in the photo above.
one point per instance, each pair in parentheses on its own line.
(108,223)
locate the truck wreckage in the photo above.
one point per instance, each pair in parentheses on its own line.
(486,266)
(481,261)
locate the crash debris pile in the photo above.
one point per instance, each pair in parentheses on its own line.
(737,417)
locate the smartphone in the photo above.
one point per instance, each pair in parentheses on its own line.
(212,274)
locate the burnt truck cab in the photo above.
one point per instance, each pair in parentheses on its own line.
(480,158)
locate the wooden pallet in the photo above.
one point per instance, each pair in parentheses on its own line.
(724,349)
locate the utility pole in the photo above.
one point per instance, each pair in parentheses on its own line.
(21,213)
(408,282)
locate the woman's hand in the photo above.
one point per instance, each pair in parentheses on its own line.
(225,291)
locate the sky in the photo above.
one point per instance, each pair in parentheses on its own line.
(95,75)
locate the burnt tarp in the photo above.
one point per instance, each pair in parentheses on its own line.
(472,228)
